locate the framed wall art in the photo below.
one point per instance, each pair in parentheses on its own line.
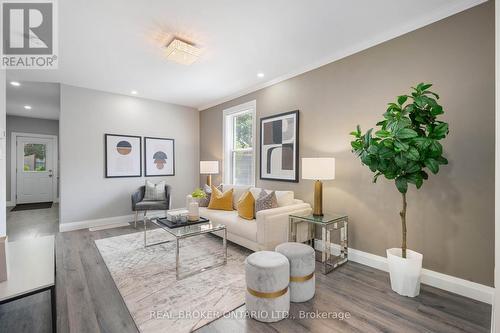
(279,147)
(122,156)
(159,157)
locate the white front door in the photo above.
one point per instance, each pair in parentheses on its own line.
(34,172)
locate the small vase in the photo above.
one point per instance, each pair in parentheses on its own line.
(405,272)
(194,211)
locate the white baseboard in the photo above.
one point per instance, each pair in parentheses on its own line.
(446,282)
(10,204)
(104,222)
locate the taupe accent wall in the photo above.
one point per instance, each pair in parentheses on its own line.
(451,218)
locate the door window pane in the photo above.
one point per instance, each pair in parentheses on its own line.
(34,157)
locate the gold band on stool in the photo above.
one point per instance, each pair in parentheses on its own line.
(301,278)
(274,294)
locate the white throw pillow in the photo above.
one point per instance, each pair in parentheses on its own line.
(285,198)
(154,192)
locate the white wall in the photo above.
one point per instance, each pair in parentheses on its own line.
(3,230)
(86,115)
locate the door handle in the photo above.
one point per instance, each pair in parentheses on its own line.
(50,176)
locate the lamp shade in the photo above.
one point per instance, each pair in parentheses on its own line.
(321,168)
(209,167)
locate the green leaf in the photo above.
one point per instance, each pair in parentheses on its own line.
(437,110)
(356,145)
(421,143)
(383,134)
(442,160)
(432,164)
(415,178)
(419,101)
(406,133)
(413,154)
(401,145)
(373,149)
(436,148)
(385,153)
(402,99)
(412,167)
(425,86)
(378,174)
(400,161)
(402,184)
(440,130)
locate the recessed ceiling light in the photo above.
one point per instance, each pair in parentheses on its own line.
(134,92)
(28,107)
(182,52)
(15,83)
(260,74)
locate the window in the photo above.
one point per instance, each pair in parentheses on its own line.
(239,144)
(34,157)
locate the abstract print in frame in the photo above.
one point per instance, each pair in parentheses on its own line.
(279,147)
(159,157)
(122,156)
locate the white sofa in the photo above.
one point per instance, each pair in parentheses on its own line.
(268,229)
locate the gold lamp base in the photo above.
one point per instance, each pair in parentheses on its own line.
(209,180)
(318,198)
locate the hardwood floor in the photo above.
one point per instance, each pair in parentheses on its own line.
(88,301)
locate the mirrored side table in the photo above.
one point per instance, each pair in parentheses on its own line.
(331,229)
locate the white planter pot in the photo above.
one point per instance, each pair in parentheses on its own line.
(405,272)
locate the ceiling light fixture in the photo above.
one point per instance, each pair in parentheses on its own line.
(28,107)
(260,75)
(182,52)
(134,92)
(15,83)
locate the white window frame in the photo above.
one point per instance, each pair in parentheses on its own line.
(227,138)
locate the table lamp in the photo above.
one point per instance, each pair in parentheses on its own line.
(318,169)
(209,168)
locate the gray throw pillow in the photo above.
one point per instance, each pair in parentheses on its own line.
(154,192)
(265,201)
(208,194)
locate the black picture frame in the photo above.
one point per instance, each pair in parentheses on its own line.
(296,146)
(146,138)
(106,163)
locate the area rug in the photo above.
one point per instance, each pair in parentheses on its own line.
(158,302)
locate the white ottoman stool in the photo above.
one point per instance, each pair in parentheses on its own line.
(267,277)
(302,265)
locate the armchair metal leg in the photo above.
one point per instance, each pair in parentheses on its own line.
(135,220)
(144,218)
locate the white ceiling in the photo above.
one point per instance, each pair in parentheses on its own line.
(42,97)
(117,45)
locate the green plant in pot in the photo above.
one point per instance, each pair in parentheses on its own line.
(404,149)
(199,194)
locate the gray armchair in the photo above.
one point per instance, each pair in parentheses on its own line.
(141,205)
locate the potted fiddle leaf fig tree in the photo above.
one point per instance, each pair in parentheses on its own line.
(403,149)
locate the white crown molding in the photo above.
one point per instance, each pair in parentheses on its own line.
(473,290)
(454,8)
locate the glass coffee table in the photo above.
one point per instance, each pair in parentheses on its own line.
(186,232)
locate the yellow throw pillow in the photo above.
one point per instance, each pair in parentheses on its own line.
(221,201)
(246,206)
